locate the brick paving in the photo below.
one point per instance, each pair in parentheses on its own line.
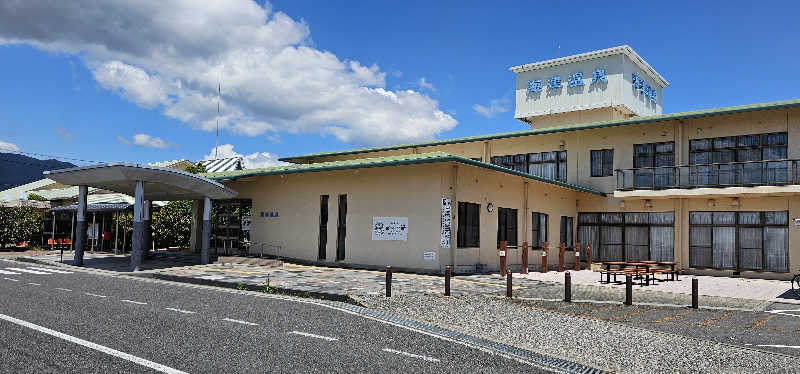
(355,282)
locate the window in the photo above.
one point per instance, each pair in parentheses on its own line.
(602,163)
(627,236)
(468,225)
(323,227)
(743,148)
(739,240)
(654,155)
(507,226)
(550,165)
(538,229)
(566,231)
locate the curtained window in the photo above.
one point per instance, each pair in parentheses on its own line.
(468,234)
(739,240)
(627,236)
(538,229)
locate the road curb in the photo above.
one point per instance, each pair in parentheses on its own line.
(203,282)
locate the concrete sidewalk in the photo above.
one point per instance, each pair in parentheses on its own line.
(341,284)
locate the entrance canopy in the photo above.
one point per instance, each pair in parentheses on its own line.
(161,183)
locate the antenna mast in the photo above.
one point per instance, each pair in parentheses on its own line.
(216,141)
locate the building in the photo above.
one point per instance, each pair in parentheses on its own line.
(715,190)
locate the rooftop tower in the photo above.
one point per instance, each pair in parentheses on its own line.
(603,85)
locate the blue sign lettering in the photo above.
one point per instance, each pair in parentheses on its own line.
(599,75)
(575,79)
(649,92)
(534,86)
(554,82)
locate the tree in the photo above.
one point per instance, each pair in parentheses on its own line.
(172,224)
(197,168)
(35,196)
(20,225)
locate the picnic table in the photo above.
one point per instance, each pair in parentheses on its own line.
(641,270)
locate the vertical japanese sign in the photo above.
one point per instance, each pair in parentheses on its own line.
(447,208)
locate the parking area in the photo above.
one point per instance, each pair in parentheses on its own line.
(775,330)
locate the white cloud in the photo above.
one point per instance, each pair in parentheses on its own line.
(64,133)
(171,55)
(496,106)
(8,147)
(425,85)
(145,140)
(252,161)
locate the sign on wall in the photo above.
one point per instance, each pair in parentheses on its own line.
(447,208)
(429,256)
(390,228)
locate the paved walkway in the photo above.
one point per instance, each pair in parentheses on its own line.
(716,291)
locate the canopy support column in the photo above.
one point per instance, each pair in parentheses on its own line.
(72,232)
(196,239)
(137,241)
(116,233)
(148,228)
(80,230)
(206,240)
(53,233)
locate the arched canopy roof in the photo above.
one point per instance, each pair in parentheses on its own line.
(159,183)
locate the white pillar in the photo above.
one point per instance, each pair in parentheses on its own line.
(206,240)
(137,245)
(116,233)
(53,233)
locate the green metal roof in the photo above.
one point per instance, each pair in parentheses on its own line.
(409,159)
(575,127)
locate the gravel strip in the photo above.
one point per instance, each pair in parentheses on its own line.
(610,346)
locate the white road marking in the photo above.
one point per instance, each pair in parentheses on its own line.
(240,321)
(180,311)
(8,272)
(784,312)
(50,270)
(28,271)
(97,347)
(63,289)
(133,302)
(95,295)
(34,284)
(775,346)
(11,279)
(310,335)
(426,358)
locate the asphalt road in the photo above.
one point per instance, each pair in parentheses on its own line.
(91,323)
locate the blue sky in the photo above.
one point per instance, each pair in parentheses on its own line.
(334,75)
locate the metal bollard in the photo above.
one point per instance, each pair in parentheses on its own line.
(567,287)
(447,280)
(508,285)
(694,293)
(388,281)
(628,290)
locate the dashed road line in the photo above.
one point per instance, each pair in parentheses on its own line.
(180,310)
(63,289)
(775,346)
(133,302)
(21,270)
(49,270)
(95,295)
(5,272)
(34,284)
(426,358)
(12,279)
(310,335)
(95,346)
(240,321)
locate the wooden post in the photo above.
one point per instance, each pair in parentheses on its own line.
(561,249)
(577,263)
(502,253)
(544,257)
(589,256)
(524,258)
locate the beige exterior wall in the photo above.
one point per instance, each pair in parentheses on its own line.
(403,191)
(482,186)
